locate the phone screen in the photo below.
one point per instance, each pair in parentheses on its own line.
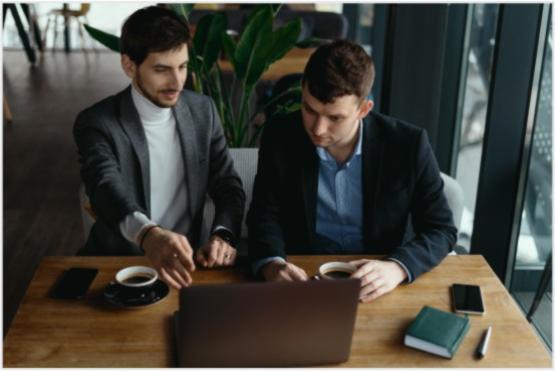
(74,283)
(467,299)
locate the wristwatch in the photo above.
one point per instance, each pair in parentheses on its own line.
(225,235)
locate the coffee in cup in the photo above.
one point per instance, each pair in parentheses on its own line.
(137,277)
(336,270)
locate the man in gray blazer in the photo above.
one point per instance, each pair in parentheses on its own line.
(150,154)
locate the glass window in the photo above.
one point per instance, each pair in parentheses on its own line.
(473,121)
(365,25)
(532,272)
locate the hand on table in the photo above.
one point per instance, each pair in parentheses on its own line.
(378,277)
(216,253)
(283,271)
(171,255)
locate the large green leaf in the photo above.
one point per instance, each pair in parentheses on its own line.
(106,39)
(182,9)
(229,46)
(208,38)
(259,8)
(284,39)
(254,47)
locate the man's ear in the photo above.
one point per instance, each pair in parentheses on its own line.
(128,66)
(365,108)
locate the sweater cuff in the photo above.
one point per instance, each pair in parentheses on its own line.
(133,226)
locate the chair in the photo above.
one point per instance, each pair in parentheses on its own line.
(67,14)
(245,161)
(323,25)
(23,34)
(455,198)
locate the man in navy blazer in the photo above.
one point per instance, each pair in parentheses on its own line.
(336,178)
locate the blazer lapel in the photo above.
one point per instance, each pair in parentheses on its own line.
(133,126)
(372,162)
(309,183)
(186,131)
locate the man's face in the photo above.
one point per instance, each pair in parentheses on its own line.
(333,126)
(161,76)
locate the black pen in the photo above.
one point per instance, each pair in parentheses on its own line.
(483,346)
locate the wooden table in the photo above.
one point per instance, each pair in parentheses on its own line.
(90,333)
(292,62)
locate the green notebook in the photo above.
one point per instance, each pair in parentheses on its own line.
(437,332)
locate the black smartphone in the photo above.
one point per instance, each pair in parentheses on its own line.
(74,283)
(467,299)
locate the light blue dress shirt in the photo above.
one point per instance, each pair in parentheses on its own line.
(339,228)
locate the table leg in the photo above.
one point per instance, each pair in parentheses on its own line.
(67,40)
(34,25)
(22,34)
(4,11)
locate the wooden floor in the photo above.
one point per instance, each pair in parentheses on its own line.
(41,174)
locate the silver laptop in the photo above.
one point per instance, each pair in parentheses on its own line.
(266,324)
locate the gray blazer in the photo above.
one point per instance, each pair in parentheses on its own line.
(113,154)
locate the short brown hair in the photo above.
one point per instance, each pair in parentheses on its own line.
(150,30)
(337,69)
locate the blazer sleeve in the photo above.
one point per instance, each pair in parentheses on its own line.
(104,185)
(224,185)
(432,219)
(266,237)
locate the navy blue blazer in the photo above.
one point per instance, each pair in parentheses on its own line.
(405,212)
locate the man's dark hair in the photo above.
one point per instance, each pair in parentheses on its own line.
(337,69)
(150,30)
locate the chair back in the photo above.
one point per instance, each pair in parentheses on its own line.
(85,7)
(455,198)
(245,161)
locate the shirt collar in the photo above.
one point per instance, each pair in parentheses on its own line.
(325,156)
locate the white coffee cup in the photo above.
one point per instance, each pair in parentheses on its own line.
(136,276)
(334,270)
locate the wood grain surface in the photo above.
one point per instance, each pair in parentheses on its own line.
(91,333)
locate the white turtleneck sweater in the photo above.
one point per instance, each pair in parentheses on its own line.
(168,194)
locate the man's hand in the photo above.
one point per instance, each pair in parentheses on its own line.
(216,253)
(283,271)
(171,255)
(377,277)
